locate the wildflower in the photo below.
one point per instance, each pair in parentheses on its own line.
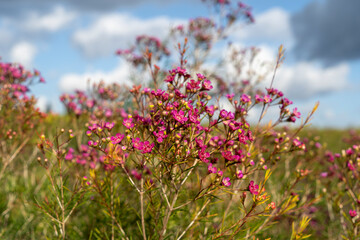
(128,123)
(227,155)
(193,85)
(137,144)
(285,102)
(160,136)
(352,213)
(253,188)
(212,169)
(324,174)
(272,205)
(297,142)
(230,96)
(223,113)
(117,139)
(90,103)
(109,126)
(296,113)
(234,125)
(147,147)
(204,155)
(210,110)
(179,116)
(206,85)
(350,165)
(69,155)
(226,182)
(329,156)
(349,152)
(318,145)
(136,174)
(200,76)
(267,99)
(93,127)
(108,113)
(245,98)
(258,98)
(239,174)
(193,117)
(179,94)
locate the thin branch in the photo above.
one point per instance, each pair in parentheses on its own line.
(194,220)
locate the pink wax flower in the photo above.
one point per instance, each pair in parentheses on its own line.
(267,99)
(296,113)
(193,85)
(352,213)
(239,174)
(109,126)
(258,98)
(137,144)
(227,155)
(206,85)
(253,188)
(204,155)
(69,155)
(147,147)
(179,116)
(200,76)
(245,98)
(117,139)
(230,96)
(210,110)
(128,123)
(212,169)
(226,182)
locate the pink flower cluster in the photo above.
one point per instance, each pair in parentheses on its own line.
(144,147)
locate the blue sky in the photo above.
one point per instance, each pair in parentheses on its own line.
(70,41)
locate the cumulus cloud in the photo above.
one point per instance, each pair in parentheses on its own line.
(42,103)
(328,31)
(305,80)
(24,53)
(301,80)
(110,32)
(31,26)
(51,22)
(73,81)
(272,26)
(18,7)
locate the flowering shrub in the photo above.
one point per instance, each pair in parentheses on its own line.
(338,181)
(176,150)
(180,151)
(175,157)
(20,120)
(19,117)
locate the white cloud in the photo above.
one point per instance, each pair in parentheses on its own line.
(72,81)
(50,22)
(253,64)
(305,79)
(24,53)
(111,32)
(298,81)
(301,80)
(271,26)
(42,103)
